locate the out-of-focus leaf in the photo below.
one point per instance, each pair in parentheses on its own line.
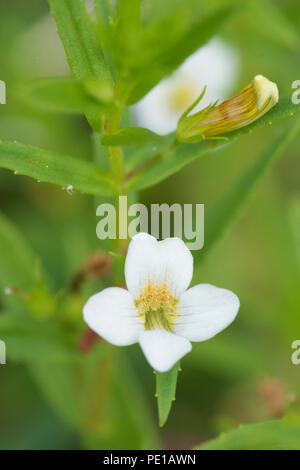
(265,17)
(31,340)
(17,260)
(230,355)
(175,158)
(271,435)
(165,392)
(105,11)
(294,213)
(135,137)
(99,396)
(218,219)
(167,59)
(63,95)
(17,263)
(50,167)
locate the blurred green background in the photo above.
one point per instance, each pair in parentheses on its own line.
(243,375)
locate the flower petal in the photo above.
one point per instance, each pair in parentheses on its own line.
(177,264)
(148,260)
(163,349)
(112,315)
(204,311)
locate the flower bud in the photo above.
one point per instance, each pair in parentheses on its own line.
(255,100)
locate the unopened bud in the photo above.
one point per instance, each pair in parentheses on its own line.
(255,100)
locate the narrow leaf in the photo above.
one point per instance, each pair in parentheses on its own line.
(62,95)
(167,60)
(165,392)
(50,167)
(79,38)
(135,137)
(271,435)
(82,47)
(227,208)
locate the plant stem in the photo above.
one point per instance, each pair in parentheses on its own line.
(115,154)
(118,173)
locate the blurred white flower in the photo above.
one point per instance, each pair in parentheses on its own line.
(216,65)
(158,310)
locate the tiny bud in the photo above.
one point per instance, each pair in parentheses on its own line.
(255,100)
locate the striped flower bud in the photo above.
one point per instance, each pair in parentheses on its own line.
(255,100)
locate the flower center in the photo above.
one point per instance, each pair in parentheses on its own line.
(181,96)
(156,306)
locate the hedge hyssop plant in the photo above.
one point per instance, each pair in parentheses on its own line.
(116,56)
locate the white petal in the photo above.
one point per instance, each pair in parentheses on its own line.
(163,349)
(148,260)
(112,315)
(176,264)
(142,263)
(205,310)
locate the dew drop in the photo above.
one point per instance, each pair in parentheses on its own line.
(70,189)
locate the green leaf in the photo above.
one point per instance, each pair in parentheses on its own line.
(17,263)
(166,59)
(31,340)
(281,434)
(81,44)
(50,167)
(227,208)
(80,41)
(105,11)
(265,17)
(135,137)
(65,95)
(17,259)
(165,392)
(177,157)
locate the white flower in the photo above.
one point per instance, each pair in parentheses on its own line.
(158,310)
(216,65)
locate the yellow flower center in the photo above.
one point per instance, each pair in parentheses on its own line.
(156,306)
(181,96)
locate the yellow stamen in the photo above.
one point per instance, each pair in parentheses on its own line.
(181,96)
(156,306)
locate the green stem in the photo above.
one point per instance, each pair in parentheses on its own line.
(117,171)
(115,154)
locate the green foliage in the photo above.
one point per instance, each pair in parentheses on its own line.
(68,95)
(178,156)
(271,435)
(135,137)
(83,50)
(80,41)
(140,56)
(232,201)
(165,391)
(118,53)
(31,340)
(50,167)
